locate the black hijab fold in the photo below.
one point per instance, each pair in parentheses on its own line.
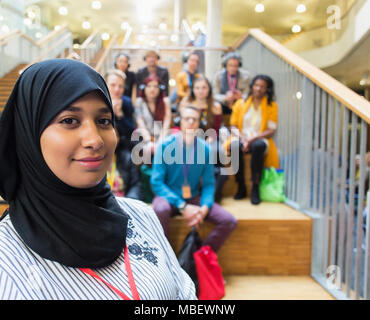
(84,228)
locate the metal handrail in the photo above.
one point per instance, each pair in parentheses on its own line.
(104,56)
(356,103)
(42,56)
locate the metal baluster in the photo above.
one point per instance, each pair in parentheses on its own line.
(352,168)
(367,250)
(361,200)
(342,209)
(316,147)
(335,186)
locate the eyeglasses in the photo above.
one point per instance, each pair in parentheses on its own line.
(190,118)
(152,86)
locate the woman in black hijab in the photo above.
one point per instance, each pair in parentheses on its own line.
(57,140)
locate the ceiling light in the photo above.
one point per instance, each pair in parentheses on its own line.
(365,81)
(57,27)
(172,82)
(63,11)
(31,14)
(105,36)
(162,26)
(296,28)
(174,38)
(301,8)
(125,25)
(299,95)
(259,7)
(38,35)
(86,25)
(96,5)
(27,21)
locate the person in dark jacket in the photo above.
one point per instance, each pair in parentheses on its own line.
(151,58)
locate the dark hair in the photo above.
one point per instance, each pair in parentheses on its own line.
(210,99)
(159,102)
(122,54)
(270,87)
(231,55)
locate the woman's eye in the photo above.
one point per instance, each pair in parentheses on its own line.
(69,121)
(105,122)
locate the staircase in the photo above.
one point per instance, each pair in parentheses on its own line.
(268,256)
(7,84)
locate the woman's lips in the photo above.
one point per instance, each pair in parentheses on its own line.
(91,162)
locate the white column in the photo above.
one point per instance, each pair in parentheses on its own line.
(179,15)
(214,37)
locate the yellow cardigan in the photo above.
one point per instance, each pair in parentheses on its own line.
(268,112)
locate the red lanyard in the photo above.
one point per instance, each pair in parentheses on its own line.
(232,82)
(130,276)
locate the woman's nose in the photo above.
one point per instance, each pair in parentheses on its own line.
(91,137)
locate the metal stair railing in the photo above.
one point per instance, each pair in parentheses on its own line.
(322,133)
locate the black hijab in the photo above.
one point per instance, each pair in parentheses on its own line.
(84,228)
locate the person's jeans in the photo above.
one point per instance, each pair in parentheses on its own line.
(224,221)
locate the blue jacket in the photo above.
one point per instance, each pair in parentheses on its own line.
(168,171)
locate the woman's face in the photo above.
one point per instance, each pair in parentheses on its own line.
(79,143)
(201,90)
(122,63)
(259,88)
(152,90)
(193,62)
(116,86)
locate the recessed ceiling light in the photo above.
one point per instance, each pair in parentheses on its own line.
(105,36)
(63,11)
(162,26)
(124,25)
(301,8)
(296,28)
(96,5)
(86,25)
(27,21)
(299,95)
(174,38)
(259,7)
(38,35)
(57,27)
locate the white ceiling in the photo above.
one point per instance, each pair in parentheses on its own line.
(237,15)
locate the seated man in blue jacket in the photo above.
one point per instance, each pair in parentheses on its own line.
(183,182)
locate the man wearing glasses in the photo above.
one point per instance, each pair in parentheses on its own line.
(183,181)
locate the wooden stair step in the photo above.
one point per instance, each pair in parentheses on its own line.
(270,239)
(274,288)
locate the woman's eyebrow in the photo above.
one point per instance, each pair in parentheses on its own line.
(102,110)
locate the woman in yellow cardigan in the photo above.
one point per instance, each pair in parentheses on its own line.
(253,122)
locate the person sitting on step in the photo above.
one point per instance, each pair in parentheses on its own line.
(253,123)
(186,185)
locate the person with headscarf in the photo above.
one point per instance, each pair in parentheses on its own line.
(65,235)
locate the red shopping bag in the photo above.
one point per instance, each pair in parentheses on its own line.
(210,279)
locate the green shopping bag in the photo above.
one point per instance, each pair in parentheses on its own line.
(272,185)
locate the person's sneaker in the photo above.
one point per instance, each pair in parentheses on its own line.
(242,193)
(255,194)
